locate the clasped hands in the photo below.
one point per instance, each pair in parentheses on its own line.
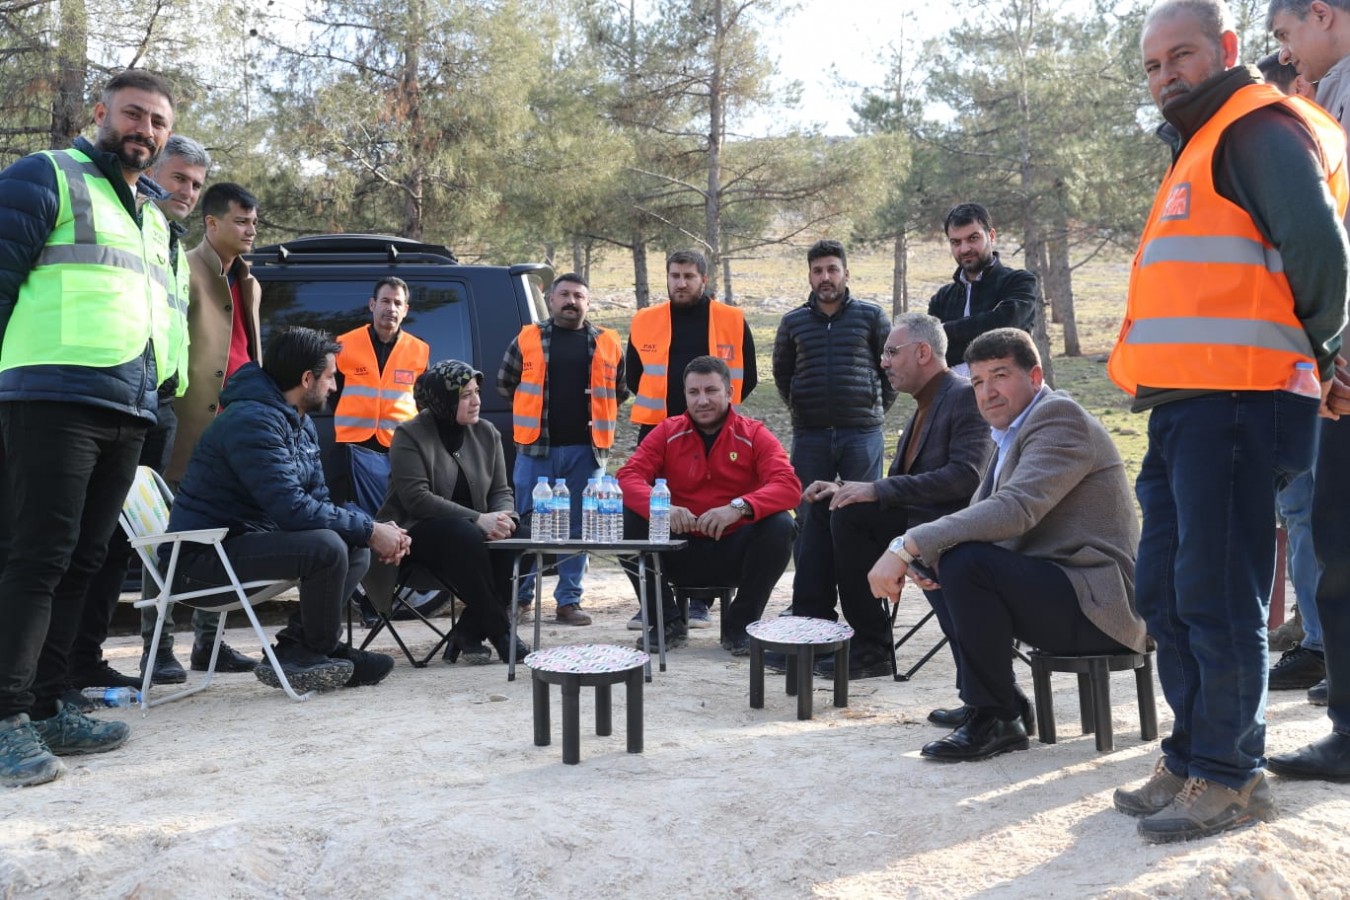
(389,542)
(712,523)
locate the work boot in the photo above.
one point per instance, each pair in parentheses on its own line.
(1202,808)
(72,733)
(24,758)
(1153,795)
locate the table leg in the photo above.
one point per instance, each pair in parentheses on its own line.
(660,603)
(841,675)
(541,722)
(514,617)
(756,674)
(634,698)
(538,599)
(571,717)
(604,715)
(805,660)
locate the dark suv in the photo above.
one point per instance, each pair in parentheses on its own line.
(467,312)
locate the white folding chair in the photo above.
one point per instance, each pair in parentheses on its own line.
(145,518)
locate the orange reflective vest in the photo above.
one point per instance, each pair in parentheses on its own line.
(527,407)
(375,402)
(650,336)
(1209,305)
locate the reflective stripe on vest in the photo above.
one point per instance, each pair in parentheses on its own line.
(1209,305)
(650,335)
(375,403)
(527,405)
(101,287)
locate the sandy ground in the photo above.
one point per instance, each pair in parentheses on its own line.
(430,785)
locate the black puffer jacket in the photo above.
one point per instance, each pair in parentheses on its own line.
(828,368)
(1003,298)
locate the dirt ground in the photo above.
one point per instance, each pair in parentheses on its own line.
(430,785)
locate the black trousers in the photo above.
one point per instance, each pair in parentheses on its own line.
(69,467)
(105,588)
(860,533)
(456,552)
(751,559)
(993,596)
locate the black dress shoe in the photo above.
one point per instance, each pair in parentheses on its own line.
(1319,694)
(168,670)
(983,735)
(1028,714)
(103,675)
(229,660)
(951,718)
(1327,758)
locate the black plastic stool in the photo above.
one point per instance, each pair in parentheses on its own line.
(1094,692)
(597,665)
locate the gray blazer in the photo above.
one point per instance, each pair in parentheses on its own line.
(422,479)
(954,447)
(1061,495)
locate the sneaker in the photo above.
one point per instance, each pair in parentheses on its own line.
(1317,694)
(1297,670)
(71,733)
(1153,795)
(369,668)
(677,636)
(502,644)
(699,617)
(102,675)
(572,614)
(635,623)
(737,646)
(473,652)
(1202,808)
(24,758)
(305,669)
(168,670)
(78,700)
(228,660)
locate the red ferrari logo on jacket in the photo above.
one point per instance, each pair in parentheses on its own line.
(1178,205)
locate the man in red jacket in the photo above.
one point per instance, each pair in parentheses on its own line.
(731,485)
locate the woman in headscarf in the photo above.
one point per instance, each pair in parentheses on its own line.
(448,488)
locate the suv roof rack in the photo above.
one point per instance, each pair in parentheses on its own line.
(352,248)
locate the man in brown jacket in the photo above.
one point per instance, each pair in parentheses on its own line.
(223,334)
(1044,553)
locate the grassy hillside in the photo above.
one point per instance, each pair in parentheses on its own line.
(770,286)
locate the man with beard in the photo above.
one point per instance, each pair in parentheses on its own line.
(1240,280)
(87,329)
(256,471)
(565,381)
(223,328)
(665,338)
(984,293)
(827,365)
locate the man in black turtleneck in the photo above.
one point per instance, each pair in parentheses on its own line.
(665,338)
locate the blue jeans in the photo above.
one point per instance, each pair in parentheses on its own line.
(1295,506)
(575,464)
(1206,564)
(1331,536)
(824,454)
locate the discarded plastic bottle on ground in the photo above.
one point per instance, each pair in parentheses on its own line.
(1303,381)
(113,696)
(562,511)
(659,513)
(541,510)
(590,505)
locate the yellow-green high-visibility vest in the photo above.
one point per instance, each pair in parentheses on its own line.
(179,282)
(101,286)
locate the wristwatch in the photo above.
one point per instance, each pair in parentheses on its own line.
(739,504)
(897,547)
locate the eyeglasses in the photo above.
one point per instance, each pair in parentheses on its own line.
(889,352)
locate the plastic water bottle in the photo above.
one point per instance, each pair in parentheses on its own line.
(590,505)
(1303,381)
(614,514)
(659,512)
(562,511)
(113,696)
(541,515)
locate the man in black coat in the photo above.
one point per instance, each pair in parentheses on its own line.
(984,293)
(827,367)
(943,449)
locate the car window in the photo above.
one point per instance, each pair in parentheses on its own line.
(438,311)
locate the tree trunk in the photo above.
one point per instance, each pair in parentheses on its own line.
(69,114)
(641,288)
(1034,244)
(414,182)
(577,264)
(586,261)
(727,296)
(716,116)
(1061,278)
(900,275)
